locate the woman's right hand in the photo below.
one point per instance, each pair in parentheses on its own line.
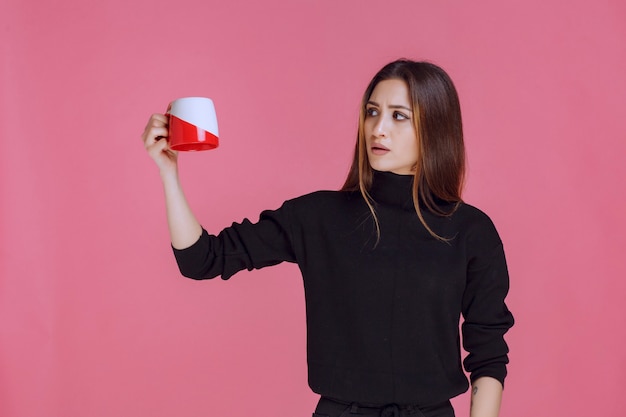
(155,141)
(183,225)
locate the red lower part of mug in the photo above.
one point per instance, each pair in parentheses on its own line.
(187,137)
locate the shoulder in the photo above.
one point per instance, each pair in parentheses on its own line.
(476,225)
(323,207)
(323,198)
(314,203)
(473,214)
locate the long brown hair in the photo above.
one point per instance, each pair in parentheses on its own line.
(440,168)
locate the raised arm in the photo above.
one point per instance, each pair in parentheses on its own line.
(183,226)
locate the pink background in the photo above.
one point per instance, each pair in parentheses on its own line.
(94,318)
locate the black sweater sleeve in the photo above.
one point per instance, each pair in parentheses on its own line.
(244,245)
(486,316)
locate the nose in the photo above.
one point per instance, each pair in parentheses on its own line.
(381,127)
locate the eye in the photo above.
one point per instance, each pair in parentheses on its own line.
(371,112)
(400,116)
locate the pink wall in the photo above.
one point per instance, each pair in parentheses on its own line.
(94,318)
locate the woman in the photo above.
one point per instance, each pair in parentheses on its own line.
(390,262)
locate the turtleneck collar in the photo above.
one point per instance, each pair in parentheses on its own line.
(392,189)
(397,190)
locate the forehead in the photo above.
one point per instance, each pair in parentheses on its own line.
(392,91)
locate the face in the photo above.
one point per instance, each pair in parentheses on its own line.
(390,135)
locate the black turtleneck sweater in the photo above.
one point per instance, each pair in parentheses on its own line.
(382,317)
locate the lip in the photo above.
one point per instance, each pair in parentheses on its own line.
(378,149)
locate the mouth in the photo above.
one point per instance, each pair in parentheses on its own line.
(378,149)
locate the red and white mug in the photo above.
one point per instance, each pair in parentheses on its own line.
(192,124)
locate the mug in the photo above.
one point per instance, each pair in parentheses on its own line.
(192,124)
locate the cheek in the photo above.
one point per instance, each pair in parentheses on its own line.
(412,153)
(415,149)
(410,143)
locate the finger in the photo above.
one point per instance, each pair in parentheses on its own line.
(162,118)
(157,120)
(158,147)
(154,134)
(166,147)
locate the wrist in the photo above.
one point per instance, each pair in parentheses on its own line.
(169,176)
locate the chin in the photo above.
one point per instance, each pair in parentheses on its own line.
(384,168)
(380,167)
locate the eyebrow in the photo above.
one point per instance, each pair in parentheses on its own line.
(392,106)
